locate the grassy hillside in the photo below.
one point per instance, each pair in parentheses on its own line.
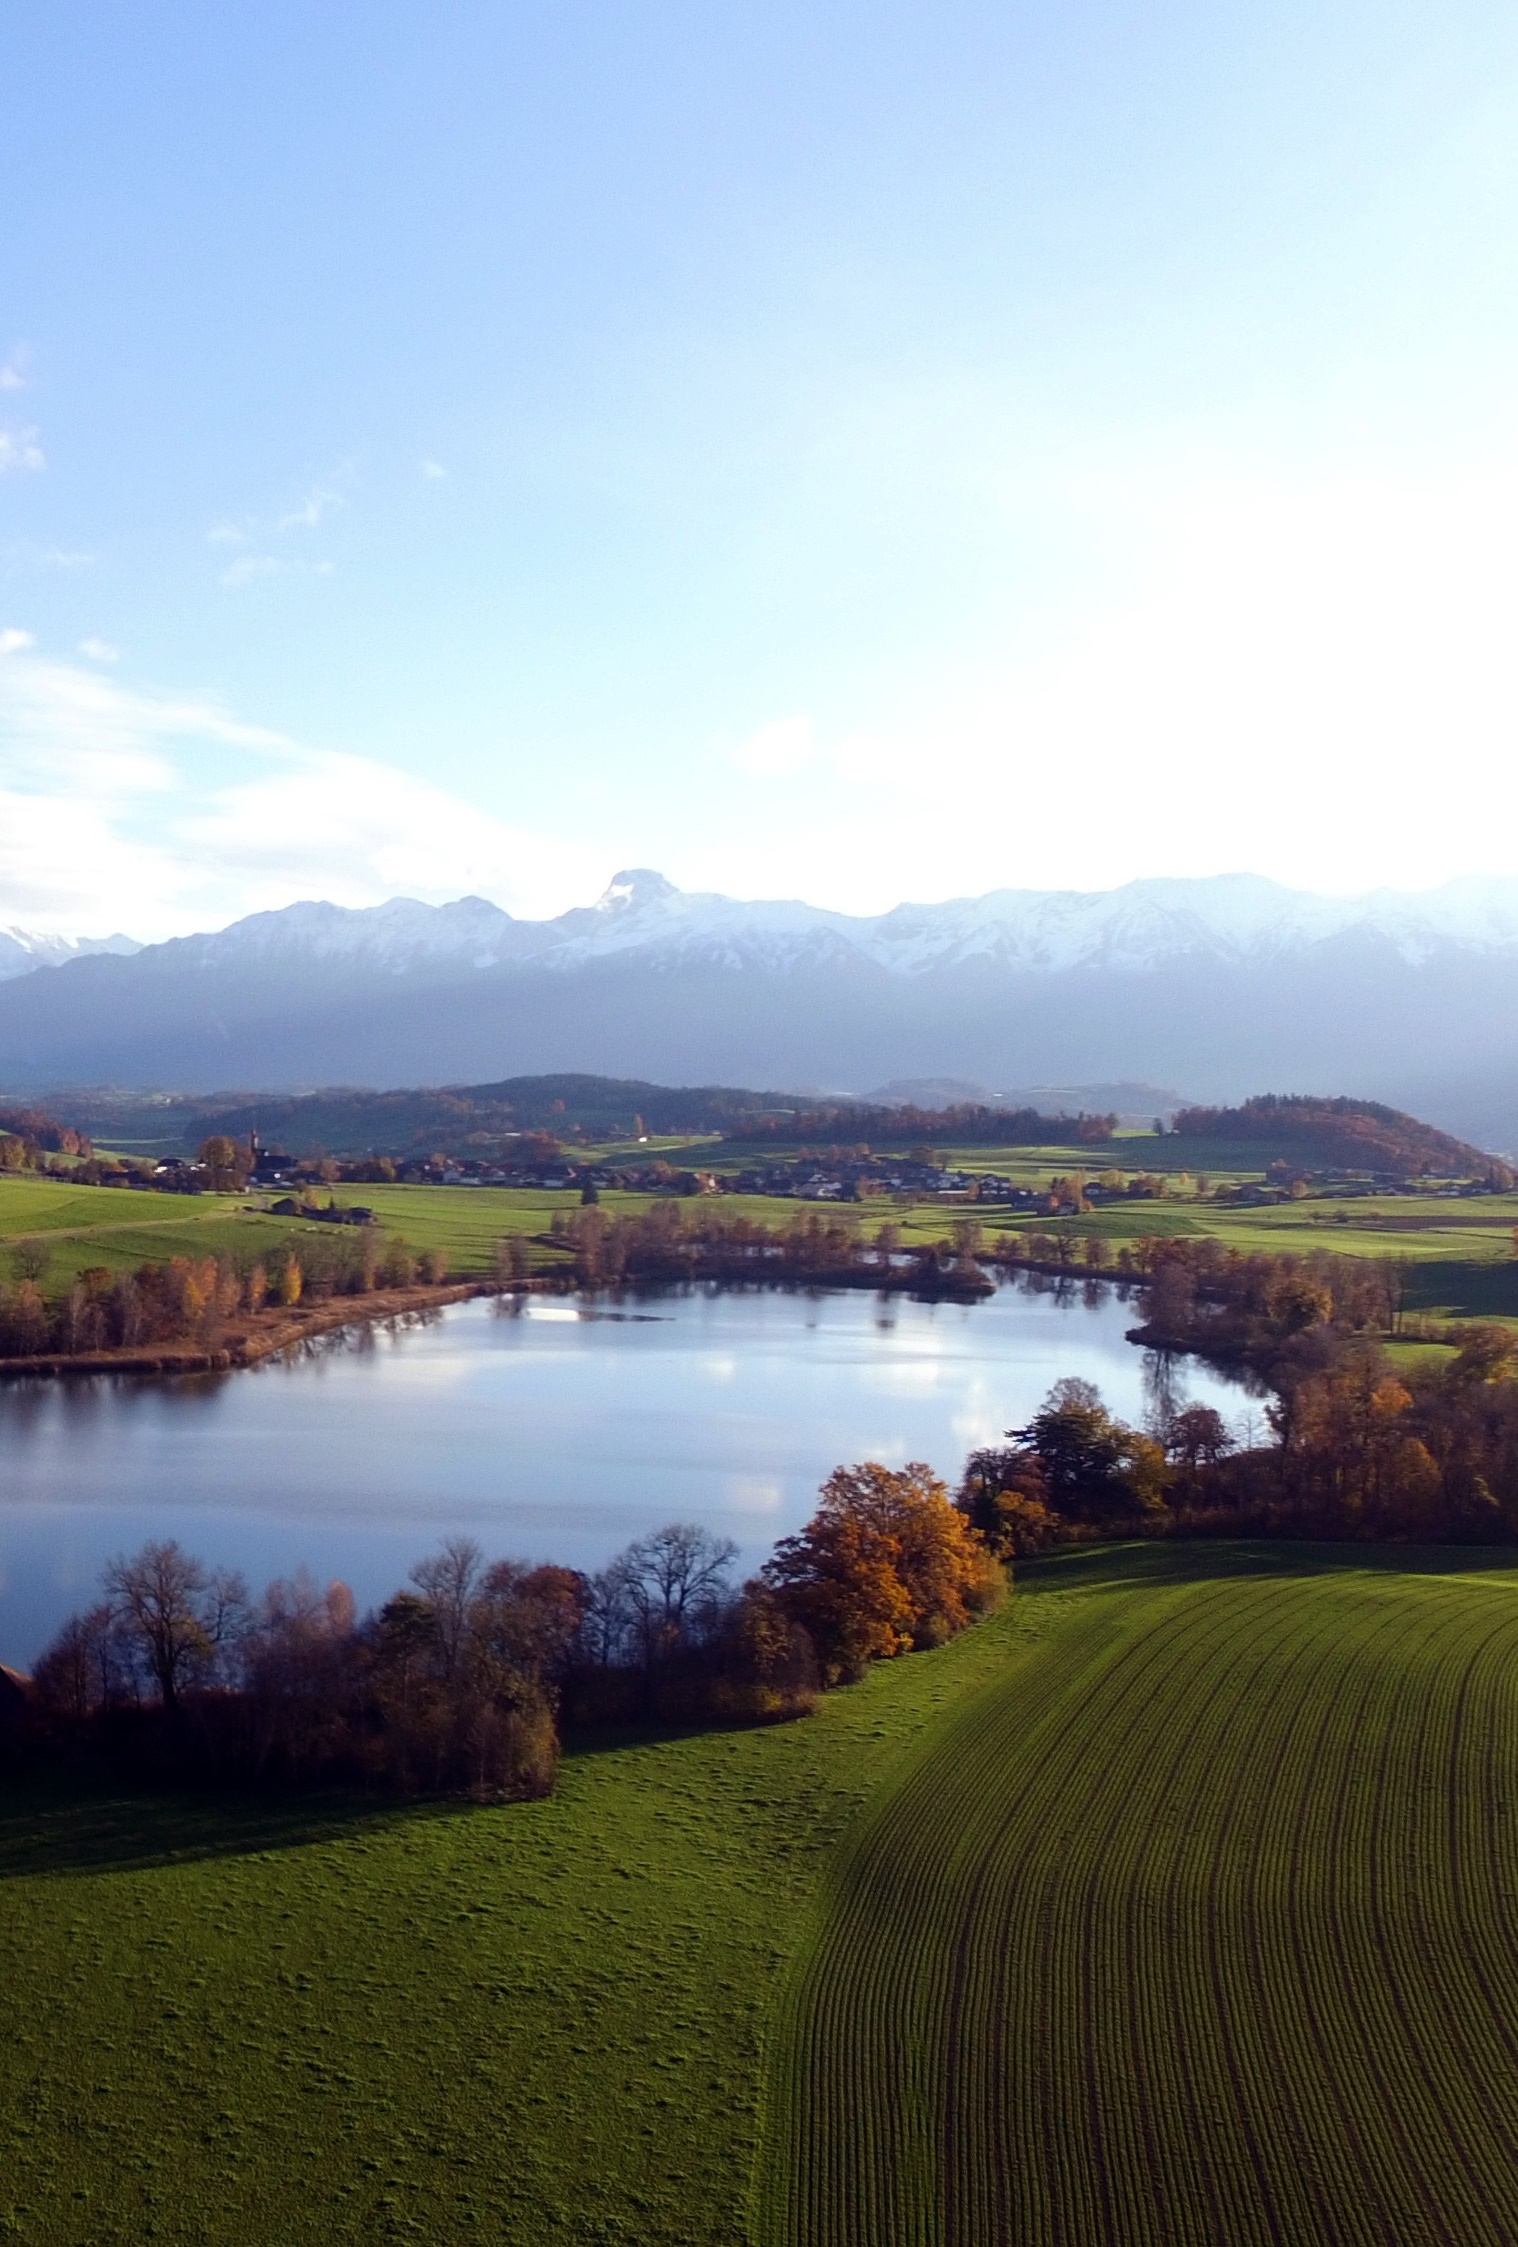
(1173,1903)
(538,2024)
(1195,1924)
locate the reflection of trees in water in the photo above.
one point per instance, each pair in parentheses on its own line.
(1165,1391)
(25,1403)
(193,1387)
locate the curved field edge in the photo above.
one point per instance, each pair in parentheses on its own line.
(249,2022)
(1197,1923)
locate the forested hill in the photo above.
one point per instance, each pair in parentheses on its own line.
(462,1119)
(452,1118)
(1337,1134)
(969,1124)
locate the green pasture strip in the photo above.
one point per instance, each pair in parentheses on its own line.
(1456,1233)
(1458,1257)
(41,1205)
(658,1144)
(1197,1923)
(264,2022)
(465,1222)
(84,1226)
(1420,1357)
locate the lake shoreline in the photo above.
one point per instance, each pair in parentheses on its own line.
(252,1338)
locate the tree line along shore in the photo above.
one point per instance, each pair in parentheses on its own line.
(460,1683)
(84,1275)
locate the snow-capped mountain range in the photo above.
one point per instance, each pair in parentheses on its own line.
(1229,917)
(1222,987)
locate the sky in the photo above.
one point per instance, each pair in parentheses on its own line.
(839,451)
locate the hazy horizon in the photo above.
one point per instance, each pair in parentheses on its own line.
(1458,884)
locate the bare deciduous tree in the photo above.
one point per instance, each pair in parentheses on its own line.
(180,1615)
(448,1581)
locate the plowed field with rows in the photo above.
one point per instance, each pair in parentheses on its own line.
(1198,1923)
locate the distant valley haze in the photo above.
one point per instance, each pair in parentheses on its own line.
(1196,989)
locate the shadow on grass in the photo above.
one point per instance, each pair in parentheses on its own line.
(63,1824)
(1468,1291)
(1121,1567)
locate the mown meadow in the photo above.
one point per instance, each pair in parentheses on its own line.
(1176,1901)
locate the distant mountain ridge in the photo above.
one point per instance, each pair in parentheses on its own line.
(24,950)
(1213,985)
(1231,917)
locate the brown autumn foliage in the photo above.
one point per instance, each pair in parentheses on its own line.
(886,1563)
(452,1688)
(1343,1134)
(189,1299)
(1357,1448)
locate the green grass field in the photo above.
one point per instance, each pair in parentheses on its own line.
(1196,1924)
(1177,1902)
(1458,1257)
(538,2024)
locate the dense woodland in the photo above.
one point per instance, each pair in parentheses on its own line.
(1352,1447)
(28,1136)
(1342,1134)
(969,1124)
(464,1120)
(461,1683)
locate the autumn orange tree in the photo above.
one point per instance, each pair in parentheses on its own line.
(885,1564)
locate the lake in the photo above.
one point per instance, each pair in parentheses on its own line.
(552,1430)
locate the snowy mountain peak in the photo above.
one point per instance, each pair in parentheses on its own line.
(23,949)
(635,886)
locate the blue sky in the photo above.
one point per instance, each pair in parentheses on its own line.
(826,450)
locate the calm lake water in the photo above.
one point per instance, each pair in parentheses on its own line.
(556,1431)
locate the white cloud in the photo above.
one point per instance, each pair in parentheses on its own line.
(12,374)
(434,471)
(99,651)
(1307,673)
(161,813)
(312,510)
(265,533)
(19,449)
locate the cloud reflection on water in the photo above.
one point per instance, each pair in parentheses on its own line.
(557,1437)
